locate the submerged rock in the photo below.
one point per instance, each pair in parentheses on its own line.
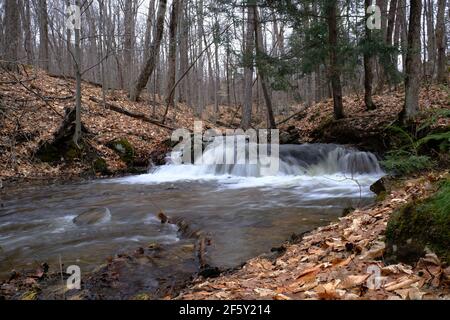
(93,216)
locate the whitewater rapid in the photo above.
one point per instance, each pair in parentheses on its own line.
(321,166)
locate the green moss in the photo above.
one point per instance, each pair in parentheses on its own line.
(402,163)
(54,153)
(73,152)
(124,148)
(142,296)
(420,225)
(100,166)
(49,153)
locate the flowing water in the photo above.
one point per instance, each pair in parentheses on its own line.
(244,212)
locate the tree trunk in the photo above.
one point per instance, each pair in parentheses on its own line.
(170,102)
(149,64)
(368,64)
(404,31)
(391,21)
(27,29)
(43,35)
(200,84)
(77,135)
(248,62)
(129,39)
(12,30)
(431,40)
(149,27)
(185,95)
(380,63)
(334,71)
(413,62)
(442,71)
(260,51)
(217,67)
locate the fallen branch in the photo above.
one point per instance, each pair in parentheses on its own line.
(234,116)
(15,81)
(293,116)
(131,114)
(63,98)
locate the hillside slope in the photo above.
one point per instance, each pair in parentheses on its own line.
(33,103)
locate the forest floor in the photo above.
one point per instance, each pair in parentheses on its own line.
(33,104)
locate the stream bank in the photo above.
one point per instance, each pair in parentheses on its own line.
(339,261)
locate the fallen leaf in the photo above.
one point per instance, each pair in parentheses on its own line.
(353,281)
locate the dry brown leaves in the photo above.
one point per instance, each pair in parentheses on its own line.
(26,120)
(337,262)
(389,105)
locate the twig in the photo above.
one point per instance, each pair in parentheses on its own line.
(293,116)
(139,116)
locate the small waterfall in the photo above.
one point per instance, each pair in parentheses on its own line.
(294,160)
(322,159)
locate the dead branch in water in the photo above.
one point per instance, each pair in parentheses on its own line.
(203,240)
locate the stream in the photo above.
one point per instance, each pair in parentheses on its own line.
(244,213)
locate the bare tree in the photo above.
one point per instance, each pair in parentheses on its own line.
(264,83)
(77,135)
(26,22)
(368,64)
(442,72)
(12,30)
(334,71)
(248,62)
(170,99)
(150,63)
(431,39)
(199,70)
(130,12)
(413,63)
(44,58)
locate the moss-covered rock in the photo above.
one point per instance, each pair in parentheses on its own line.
(378,187)
(62,148)
(124,149)
(100,166)
(73,152)
(62,151)
(418,226)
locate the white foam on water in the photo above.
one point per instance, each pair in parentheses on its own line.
(332,169)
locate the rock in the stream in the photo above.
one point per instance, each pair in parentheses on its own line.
(163,218)
(290,136)
(378,187)
(93,216)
